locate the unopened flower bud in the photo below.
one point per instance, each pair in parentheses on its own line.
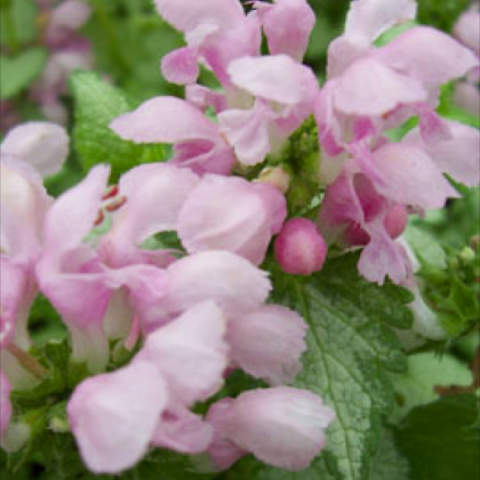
(467,255)
(299,248)
(275,176)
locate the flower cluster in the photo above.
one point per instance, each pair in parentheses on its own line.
(193,314)
(199,314)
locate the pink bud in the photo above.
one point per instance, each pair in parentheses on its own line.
(299,248)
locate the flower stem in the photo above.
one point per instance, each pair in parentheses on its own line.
(27,361)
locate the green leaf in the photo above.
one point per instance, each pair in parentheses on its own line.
(441,439)
(350,350)
(441,13)
(17,73)
(18,22)
(389,463)
(425,372)
(96,104)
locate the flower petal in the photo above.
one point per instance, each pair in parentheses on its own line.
(180,66)
(275,77)
(411,177)
(229,213)
(459,156)
(155,194)
(281,426)
(165,120)
(370,18)
(191,353)
(428,55)
(248,132)
(228,279)
(42,145)
(287,25)
(183,431)
(23,204)
(113,416)
(186,16)
(78,208)
(267,343)
(369,88)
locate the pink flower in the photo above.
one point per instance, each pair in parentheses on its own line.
(154,196)
(42,145)
(197,141)
(79,280)
(382,87)
(287,25)
(231,214)
(281,426)
(231,281)
(268,342)
(115,417)
(284,92)
(354,213)
(467,30)
(23,205)
(299,248)
(216,31)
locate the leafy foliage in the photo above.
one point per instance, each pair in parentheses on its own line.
(97,104)
(442,439)
(450,281)
(350,350)
(17,73)
(441,13)
(17,22)
(129,38)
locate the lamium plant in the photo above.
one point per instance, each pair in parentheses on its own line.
(264,277)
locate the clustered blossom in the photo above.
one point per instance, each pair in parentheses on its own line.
(193,315)
(198,314)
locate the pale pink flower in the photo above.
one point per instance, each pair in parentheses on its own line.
(197,140)
(216,31)
(42,145)
(77,280)
(382,87)
(281,426)
(283,92)
(117,416)
(354,213)
(230,213)
(268,342)
(287,25)
(229,280)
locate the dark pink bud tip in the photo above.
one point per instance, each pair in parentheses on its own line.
(299,248)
